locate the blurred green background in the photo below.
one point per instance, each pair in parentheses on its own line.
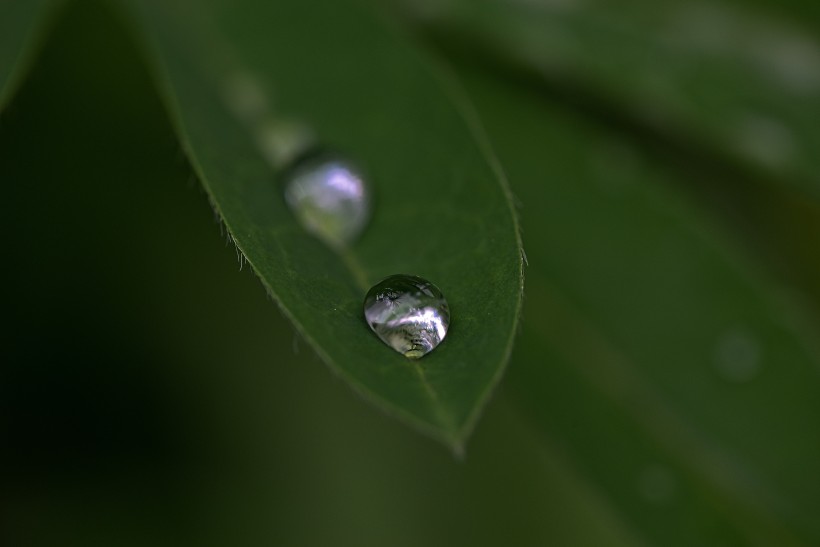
(153,395)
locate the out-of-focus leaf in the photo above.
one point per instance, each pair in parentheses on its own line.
(727,78)
(675,374)
(20,21)
(441,210)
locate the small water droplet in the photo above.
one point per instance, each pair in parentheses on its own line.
(793,59)
(283,140)
(246,97)
(768,140)
(329,197)
(737,356)
(407,313)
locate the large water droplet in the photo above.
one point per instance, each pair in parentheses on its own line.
(329,197)
(408,313)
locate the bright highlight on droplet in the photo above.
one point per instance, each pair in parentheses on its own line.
(407,313)
(329,198)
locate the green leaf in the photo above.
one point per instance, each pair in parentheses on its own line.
(292,458)
(20,22)
(725,79)
(441,209)
(680,379)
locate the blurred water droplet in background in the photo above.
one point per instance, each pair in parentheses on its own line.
(737,356)
(283,140)
(329,198)
(769,140)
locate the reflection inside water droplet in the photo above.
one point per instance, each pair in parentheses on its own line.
(407,313)
(329,197)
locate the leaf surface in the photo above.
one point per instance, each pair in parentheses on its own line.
(20,20)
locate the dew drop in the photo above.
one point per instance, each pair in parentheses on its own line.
(329,198)
(246,97)
(407,313)
(283,140)
(769,140)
